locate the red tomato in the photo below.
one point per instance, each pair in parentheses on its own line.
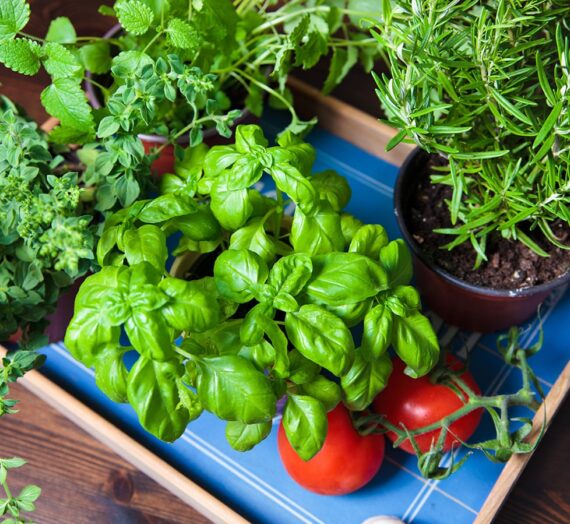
(416,402)
(346,462)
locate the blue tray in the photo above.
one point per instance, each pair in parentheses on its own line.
(255,484)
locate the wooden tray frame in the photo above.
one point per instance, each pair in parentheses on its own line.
(364,131)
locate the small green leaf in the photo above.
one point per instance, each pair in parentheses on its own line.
(153,393)
(135,16)
(321,337)
(21,55)
(305,423)
(377,333)
(146,244)
(369,240)
(183,35)
(345,278)
(233,389)
(324,390)
(365,379)
(396,259)
(65,100)
(415,343)
(61,31)
(14,15)
(62,63)
(243,437)
(238,274)
(96,57)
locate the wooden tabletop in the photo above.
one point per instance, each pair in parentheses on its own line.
(84,481)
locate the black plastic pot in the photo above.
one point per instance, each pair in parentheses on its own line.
(458,303)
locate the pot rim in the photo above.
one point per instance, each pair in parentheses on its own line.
(481,290)
(160,139)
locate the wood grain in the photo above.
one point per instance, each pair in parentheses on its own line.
(83,481)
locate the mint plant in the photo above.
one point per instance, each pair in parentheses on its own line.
(46,242)
(175,64)
(273,313)
(484,84)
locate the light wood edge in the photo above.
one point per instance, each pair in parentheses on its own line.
(49,124)
(129,449)
(347,122)
(517,463)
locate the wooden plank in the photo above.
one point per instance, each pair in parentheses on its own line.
(129,449)
(517,463)
(347,122)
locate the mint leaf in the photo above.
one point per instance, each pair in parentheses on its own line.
(14,15)
(65,100)
(61,31)
(342,62)
(182,34)
(96,57)
(21,55)
(69,135)
(61,63)
(134,16)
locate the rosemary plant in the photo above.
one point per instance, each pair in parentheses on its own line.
(486,85)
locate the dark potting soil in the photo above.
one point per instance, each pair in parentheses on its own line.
(510,265)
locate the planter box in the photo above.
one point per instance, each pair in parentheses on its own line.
(228,486)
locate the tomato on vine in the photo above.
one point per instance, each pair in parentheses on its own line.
(416,403)
(346,462)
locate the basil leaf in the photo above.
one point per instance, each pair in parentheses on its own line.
(324,390)
(305,424)
(165,207)
(396,259)
(111,373)
(318,233)
(415,343)
(254,238)
(231,208)
(291,273)
(152,391)
(301,369)
(279,344)
(351,314)
(150,335)
(251,331)
(106,244)
(333,188)
(238,273)
(345,278)
(189,399)
(377,333)
(292,182)
(321,337)
(243,437)
(146,244)
(233,389)
(223,339)
(218,159)
(88,333)
(365,380)
(250,138)
(190,308)
(369,240)
(349,225)
(199,226)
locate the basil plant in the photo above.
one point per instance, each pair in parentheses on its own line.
(304,309)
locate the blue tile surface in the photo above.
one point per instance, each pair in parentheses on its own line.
(255,483)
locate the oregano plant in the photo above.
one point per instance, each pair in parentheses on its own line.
(304,308)
(46,230)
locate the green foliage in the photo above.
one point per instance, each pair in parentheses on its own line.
(45,241)
(180,66)
(485,84)
(14,366)
(272,318)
